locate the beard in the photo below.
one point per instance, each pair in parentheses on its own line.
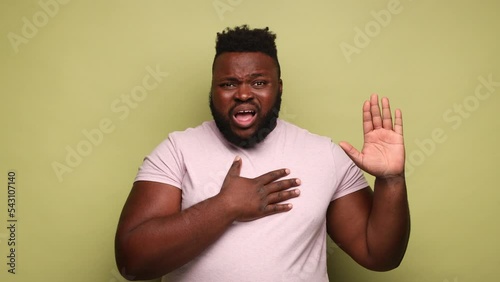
(264,126)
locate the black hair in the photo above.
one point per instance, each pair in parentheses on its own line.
(244,39)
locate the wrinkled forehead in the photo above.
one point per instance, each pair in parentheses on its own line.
(243,63)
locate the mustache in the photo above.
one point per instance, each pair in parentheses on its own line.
(239,103)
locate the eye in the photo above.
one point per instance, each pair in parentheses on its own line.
(259,83)
(227,85)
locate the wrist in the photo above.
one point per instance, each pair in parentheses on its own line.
(391,180)
(229,210)
(391,176)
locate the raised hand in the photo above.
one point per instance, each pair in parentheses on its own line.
(250,199)
(383,153)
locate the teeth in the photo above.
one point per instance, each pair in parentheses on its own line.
(245,112)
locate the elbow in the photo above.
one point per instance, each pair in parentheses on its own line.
(129,275)
(127,267)
(383,264)
(132,269)
(129,264)
(387,259)
(134,263)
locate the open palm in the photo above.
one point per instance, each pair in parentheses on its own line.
(383,153)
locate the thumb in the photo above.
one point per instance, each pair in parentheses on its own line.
(352,153)
(235,168)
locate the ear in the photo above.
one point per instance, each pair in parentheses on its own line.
(281,85)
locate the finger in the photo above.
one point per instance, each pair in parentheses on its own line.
(271,176)
(277,208)
(386,114)
(235,168)
(367,118)
(398,122)
(375,112)
(281,196)
(281,185)
(352,153)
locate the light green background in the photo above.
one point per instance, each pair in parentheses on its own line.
(66,77)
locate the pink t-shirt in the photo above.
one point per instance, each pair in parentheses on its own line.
(288,246)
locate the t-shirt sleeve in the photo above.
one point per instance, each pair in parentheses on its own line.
(350,177)
(163,165)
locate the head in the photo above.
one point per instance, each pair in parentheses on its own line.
(245,95)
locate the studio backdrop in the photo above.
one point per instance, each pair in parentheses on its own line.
(88,88)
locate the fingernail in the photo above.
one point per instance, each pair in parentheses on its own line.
(298,181)
(287,171)
(237,158)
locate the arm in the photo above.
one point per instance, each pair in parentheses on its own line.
(155,237)
(374,227)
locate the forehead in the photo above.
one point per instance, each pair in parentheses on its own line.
(243,63)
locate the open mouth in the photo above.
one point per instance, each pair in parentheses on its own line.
(244,118)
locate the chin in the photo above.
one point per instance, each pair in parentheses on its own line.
(243,138)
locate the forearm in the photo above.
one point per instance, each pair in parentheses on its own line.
(161,245)
(388,226)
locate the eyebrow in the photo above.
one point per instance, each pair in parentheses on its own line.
(253,75)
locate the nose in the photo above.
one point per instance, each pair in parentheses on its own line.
(244,93)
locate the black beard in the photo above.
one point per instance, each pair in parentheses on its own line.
(265,127)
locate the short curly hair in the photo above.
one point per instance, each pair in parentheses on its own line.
(244,39)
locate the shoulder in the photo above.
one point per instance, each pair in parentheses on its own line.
(204,132)
(205,128)
(301,135)
(192,137)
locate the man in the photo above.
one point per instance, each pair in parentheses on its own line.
(250,197)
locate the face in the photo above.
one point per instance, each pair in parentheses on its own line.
(245,97)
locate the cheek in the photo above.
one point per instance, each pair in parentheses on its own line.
(221,102)
(268,102)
